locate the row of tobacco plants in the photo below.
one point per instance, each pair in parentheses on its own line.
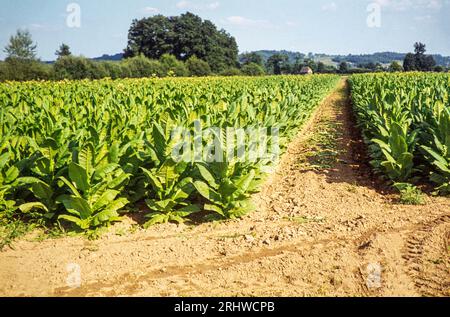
(405,120)
(85,152)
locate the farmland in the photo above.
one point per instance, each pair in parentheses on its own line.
(84,152)
(405,120)
(218,156)
(88,157)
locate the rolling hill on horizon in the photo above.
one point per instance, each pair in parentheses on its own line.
(354,59)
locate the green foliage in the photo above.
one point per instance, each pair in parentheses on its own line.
(405,121)
(397,151)
(419,61)
(8,182)
(114,70)
(140,66)
(64,50)
(83,152)
(75,67)
(253,69)
(19,69)
(410,194)
(278,64)
(21,46)
(231,72)
(439,151)
(170,191)
(395,67)
(171,65)
(227,187)
(9,231)
(198,67)
(182,36)
(94,183)
(343,68)
(97,70)
(168,182)
(252,58)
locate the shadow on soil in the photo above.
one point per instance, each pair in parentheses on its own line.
(337,151)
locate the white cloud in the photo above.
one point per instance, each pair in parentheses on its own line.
(246,22)
(36,26)
(330,7)
(41,27)
(423,18)
(292,24)
(184,4)
(150,10)
(396,5)
(404,5)
(213,5)
(118,36)
(434,4)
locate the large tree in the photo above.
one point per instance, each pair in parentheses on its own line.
(321,67)
(409,63)
(420,48)
(343,67)
(253,69)
(64,50)
(253,57)
(419,61)
(395,67)
(278,64)
(182,36)
(21,46)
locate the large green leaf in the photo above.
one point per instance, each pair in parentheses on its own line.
(76,206)
(208,192)
(42,191)
(207,176)
(102,172)
(156,218)
(79,222)
(106,216)
(154,181)
(79,176)
(4,158)
(119,180)
(117,204)
(86,159)
(440,160)
(25,208)
(105,199)
(71,187)
(114,153)
(214,208)
(11,174)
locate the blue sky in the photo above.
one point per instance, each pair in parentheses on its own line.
(320,26)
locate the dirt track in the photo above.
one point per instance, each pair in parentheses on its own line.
(323,228)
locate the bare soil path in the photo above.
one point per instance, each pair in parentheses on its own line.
(323,228)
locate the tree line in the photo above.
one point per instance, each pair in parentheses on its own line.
(180,46)
(279,63)
(161,61)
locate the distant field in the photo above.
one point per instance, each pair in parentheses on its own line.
(326,60)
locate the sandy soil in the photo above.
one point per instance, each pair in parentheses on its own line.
(318,231)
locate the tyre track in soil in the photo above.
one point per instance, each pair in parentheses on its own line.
(430,246)
(133,282)
(316,231)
